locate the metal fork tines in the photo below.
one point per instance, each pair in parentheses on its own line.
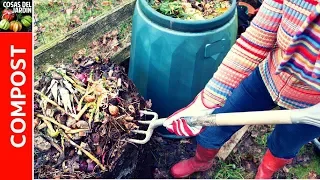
(152,124)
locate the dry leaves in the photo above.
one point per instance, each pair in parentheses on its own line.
(312,175)
(76,19)
(69,11)
(105,47)
(106,3)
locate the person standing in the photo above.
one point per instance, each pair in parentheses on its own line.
(275,62)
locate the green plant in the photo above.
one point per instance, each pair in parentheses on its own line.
(170,8)
(228,171)
(125,29)
(302,172)
(55,18)
(262,140)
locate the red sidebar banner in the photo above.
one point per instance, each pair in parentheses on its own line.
(16,106)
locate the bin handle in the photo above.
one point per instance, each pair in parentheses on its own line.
(212,49)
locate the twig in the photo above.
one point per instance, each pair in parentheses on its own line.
(118,125)
(92,157)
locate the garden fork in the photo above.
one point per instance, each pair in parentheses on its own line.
(310,115)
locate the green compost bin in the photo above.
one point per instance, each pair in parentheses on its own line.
(171,60)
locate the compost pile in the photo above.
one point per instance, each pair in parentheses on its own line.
(84,113)
(191,9)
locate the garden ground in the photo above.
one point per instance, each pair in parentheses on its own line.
(242,163)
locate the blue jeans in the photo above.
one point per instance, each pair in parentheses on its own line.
(252,95)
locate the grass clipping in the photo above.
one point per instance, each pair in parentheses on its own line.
(191,9)
(83,114)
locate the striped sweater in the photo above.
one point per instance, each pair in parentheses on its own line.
(283,41)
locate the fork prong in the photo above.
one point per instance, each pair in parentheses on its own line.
(139,131)
(154,114)
(136,141)
(144,122)
(144,141)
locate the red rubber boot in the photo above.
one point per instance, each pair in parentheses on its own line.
(270,164)
(202,161)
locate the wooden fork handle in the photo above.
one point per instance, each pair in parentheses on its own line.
(242,118)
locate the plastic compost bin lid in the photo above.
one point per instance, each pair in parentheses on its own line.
(187,25)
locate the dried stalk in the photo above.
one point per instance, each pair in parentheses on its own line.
(89,90)
(66,77)
(83,110)
(92,157)
(50,130)
(66,128)
(41,126)
(74,131)
(43,96)
(99,101)
(91,115)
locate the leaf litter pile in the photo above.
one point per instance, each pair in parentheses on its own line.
(191,9)
(83,114)
(104,47)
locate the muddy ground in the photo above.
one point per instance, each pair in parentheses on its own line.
(242,163)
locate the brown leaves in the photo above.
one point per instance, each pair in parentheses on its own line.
(110,35)
(312,175)
(69,11)
(51,2)
(105,3)
(114,44)
(76,19)
(104,47)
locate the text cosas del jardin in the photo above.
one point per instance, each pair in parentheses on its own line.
(18,7)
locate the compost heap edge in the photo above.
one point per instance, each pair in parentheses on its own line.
(83,114)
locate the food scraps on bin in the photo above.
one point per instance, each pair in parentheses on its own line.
(191,9)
